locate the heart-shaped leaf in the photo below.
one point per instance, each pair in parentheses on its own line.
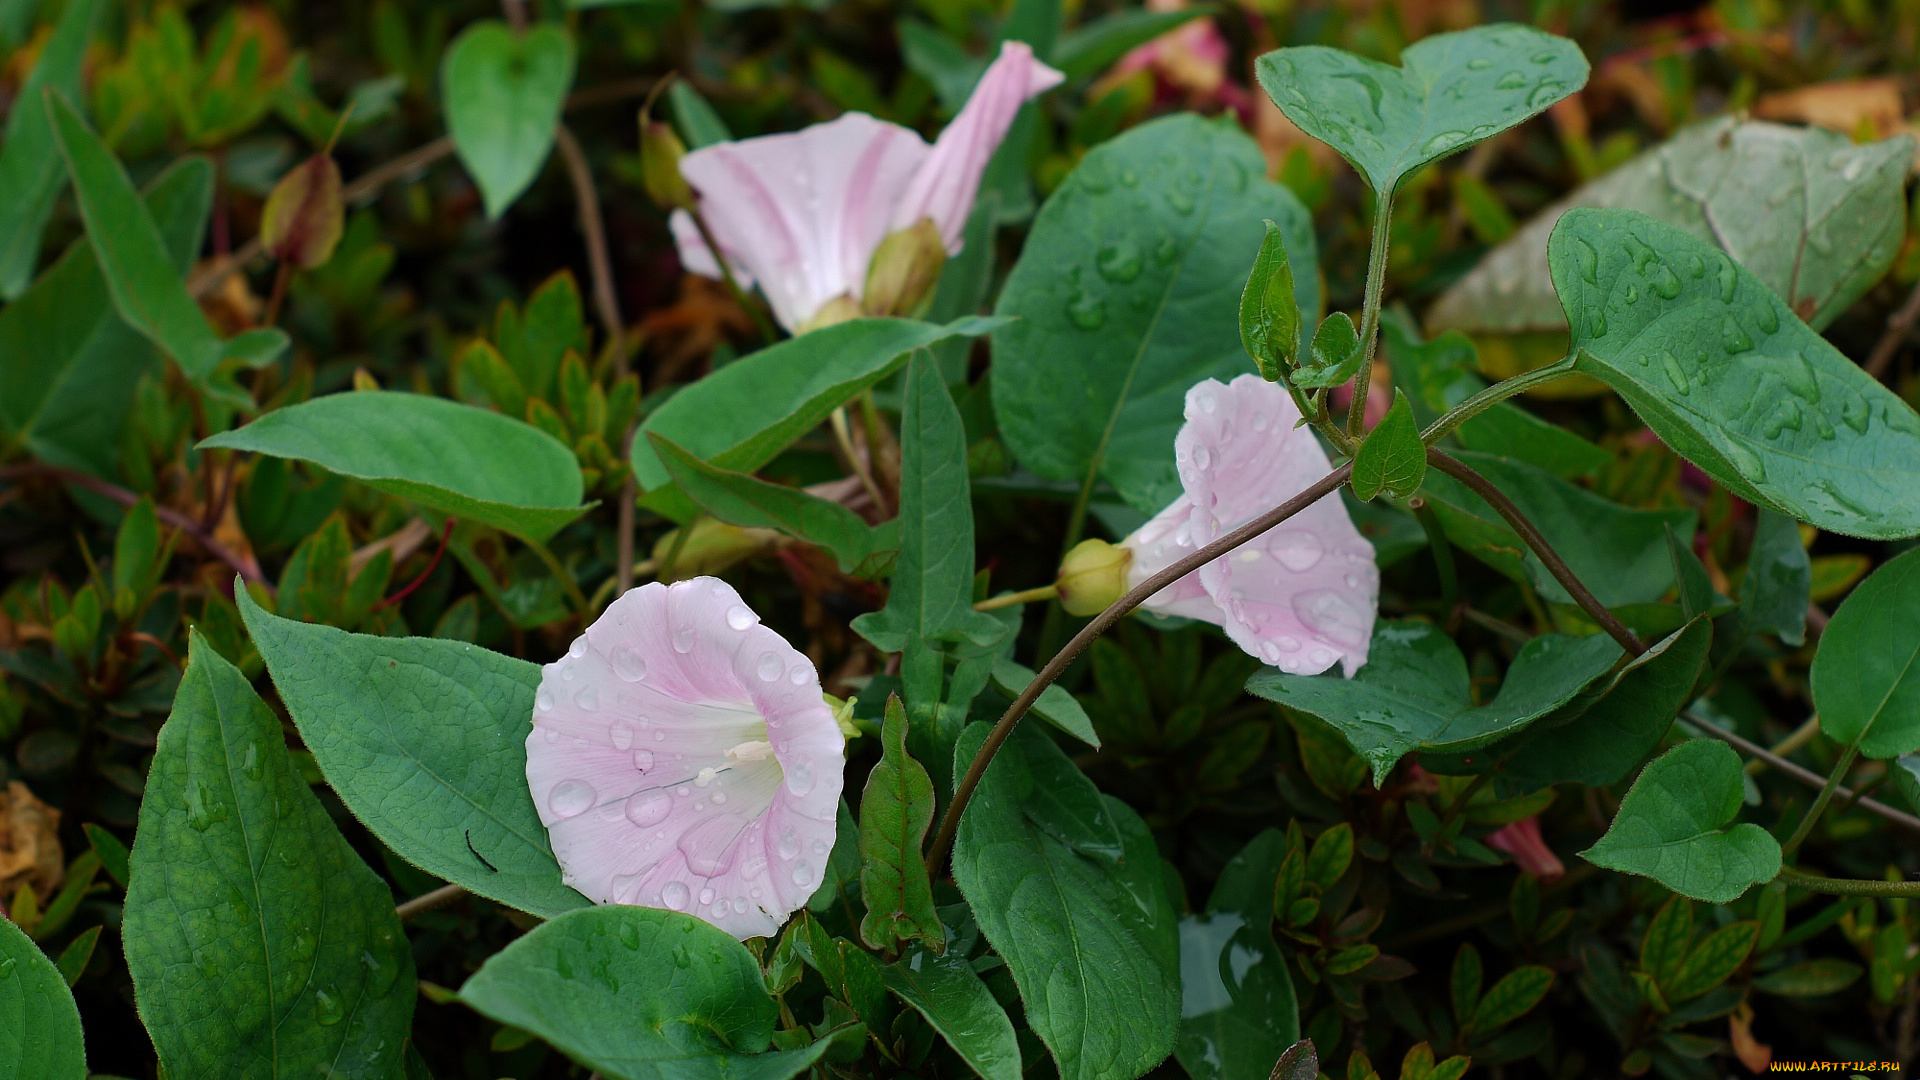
(1717,366)
(1817,218)
(1866,676)
(1414,693)
(452,458)
(1676,827)
(1449,92)
(503,92)
(1393,459)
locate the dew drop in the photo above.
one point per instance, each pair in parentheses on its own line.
(1333,616)
(643,760)
(739,616)
(1676,374)
(621,734)
(803,874)
(327,1006)
(1512,80)
(1087,310)
(800,778)
(683,640)
(1745,461)
(570,798)
(1479,63)
(579,647)
(1729,279)
(1767,319)
(629,664)
(1119,260)
(1297,549)
(588,699)
(720,908)
(543,699)
(648,808)
(789,845)
(1202,457)
(1546,93)
(799,675)
(1587,260)
(1632,295)
(719,797)
(1545,57)
(1664,282)
(1444,141)
(706,896)
(769,667)
(675,896)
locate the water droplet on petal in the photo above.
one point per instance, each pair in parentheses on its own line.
(543,699)
(648,808)
(803,874)
(1202,457)
(720,908)
(578,648)
(1332,615)
(800,778)
(1297,549)
(629,664)
(570,798)
(643,760)
(683,640)
(739,616)
(789,845)
(588,699)
(621,735)
(706,896)
(799,675)
(675,896)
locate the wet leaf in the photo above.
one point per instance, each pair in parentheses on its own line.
(1392,459)
(956,1003)
(896,808)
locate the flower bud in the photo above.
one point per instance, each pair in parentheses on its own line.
(304,215)
(904,270)
(660,154)
(711,548)
(837,310)
(1093,576)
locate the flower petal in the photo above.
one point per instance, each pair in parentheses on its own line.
(1164,540)
(682,757)
(1301,595)
(1529,849)
(803,211)
(944,187)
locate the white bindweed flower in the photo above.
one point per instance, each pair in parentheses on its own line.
(1302,595)
(802,213)
(682,757)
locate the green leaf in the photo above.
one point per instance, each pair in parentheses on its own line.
(699,124)
(1269,314)
(742,415)
(1866,676)
(502,92)
(739,499)
(1086,940)
(895,809)
(955,1002)
(1676,827)
(1668,939)
(1054,705)
(1722,370)
(1620,554)
(1449,92)
(1392,459)
(639,994)
(30,173)
(1238,1008)
(1809,978)
(931,598)
(258,942)
(39,1025)
(1815,217)
(1092,48)
(1127,293)
(78,953)
(425,741)
(1511,998)
(113,854)
(1712,961)
(141,273)
(1601,742)
(450,458)
(68,363)
(1334,356)
(1779,581)
(1442,373)
(1465,982)
(1414,693)
(1906,778)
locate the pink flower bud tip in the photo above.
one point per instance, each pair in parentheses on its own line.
(1530,852)
(682,757)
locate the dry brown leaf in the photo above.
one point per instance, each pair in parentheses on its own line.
(1852,107)
(1754,1054)
(29,844)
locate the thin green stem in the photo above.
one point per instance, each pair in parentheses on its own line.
(1494,395)
(571,587)
(767,332)
(1043,592)
(1847,886)
(1139,594)
(1370,310)
(1820,802)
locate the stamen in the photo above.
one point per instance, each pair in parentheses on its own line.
(750,751)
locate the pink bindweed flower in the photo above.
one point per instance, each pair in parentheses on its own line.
(802,212)
(1300,596)
(682,757)
(1529,849)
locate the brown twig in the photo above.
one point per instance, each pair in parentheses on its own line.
(445,894)
(1556,566)
(1139,594)
(606,303)
(243,564)
(446,535)
(1803,774)
(1899,325)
